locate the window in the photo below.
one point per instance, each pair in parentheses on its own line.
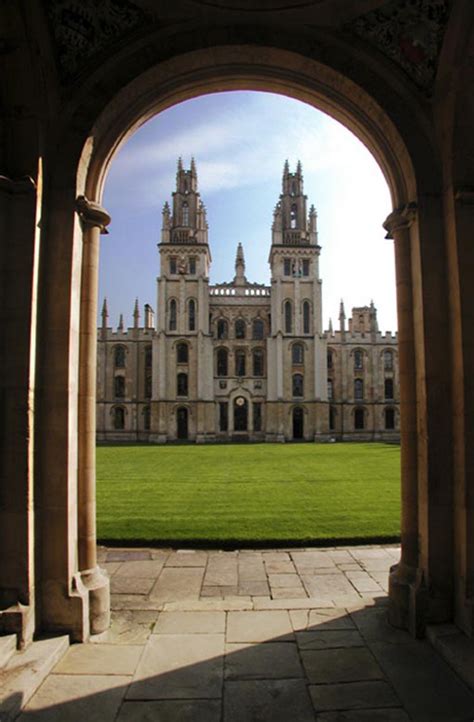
(182,384)
(258,329)
(287,266)
(119,386)
(148,384)
(388,388)
(172,315)
(293,215)
(359,419)
(332,418)
(182,353)
(305,267)
(146,418)
(192,315)
(240,363)
(223,416)
(119,418)
(258,362)
(288,317)
(119,357)
(330,360)
(389,418)
(240,328)
(298,385)
(358,389)
(358,360)
(185,214)
(306,317)
(388,360)
(222,328)
(222,362)
(148,357)
(330,390)
(257,417)
(192,266)
(173,265)
(297,353)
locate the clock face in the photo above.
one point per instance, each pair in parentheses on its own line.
(240,401)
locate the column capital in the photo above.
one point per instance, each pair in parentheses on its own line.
(92,214)
(400,218)
(22,185)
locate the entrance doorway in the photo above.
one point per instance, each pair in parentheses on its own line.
(240,414)
(182,422)
(298,423)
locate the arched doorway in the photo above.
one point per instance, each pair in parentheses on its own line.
(182,431)
(241,410)
(298,423)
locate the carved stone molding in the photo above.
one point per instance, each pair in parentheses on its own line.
(410,33)
(92,214)
(15,186)
(400,218)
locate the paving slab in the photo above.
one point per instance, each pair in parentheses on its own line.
(276,556)
(7,648)
(100,659)
(144,569)
(171,711)
(180,666)
(221,571)
(293,603)
(374,626)
(363,582)
(95,698)
(328,585)
(329,639)
(267,701)
(340,665)
(254,588)
(187,558)
(284,580)
(365,715)
(251,568)
(131,585)
(276,660)
(286,567)
(201,605)
(119,602)
(125,555)
(128,627)
(353,695)
(293,592)
(259,626)
(180,583)
(311,560)
(456,648)
(190,623)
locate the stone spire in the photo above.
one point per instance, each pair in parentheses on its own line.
(240,266)
(193,167)
(342,317)
(136,314)
(331,331)
(180,164)
(120,326)
(104,314)
(286,168)
(299,169)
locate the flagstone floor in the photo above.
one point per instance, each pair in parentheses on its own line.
(293,635)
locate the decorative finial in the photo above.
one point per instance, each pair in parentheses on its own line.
(299,168)
(286,167)
(193,166)
(136,314)
(180,164)
(120,323)
(330,327)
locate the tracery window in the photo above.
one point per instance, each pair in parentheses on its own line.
(119,387)
(173,308)
(258,329)
(389,418)
(119,357)
(258,362)
(306,317)
(297,354)
(358,360)
(388,388)
(222,329)
(388,360)
(185,208)
(182,353)
(359,419)
(330,390)
(330,359)
(288,313)
(119,418)
(240,328)
(293,215)
(332,418)
(298,385)
(240,362)
(192,315)
(192,266)
(173,265)
(182,384)
(222,362)
(148,384)
(358,389)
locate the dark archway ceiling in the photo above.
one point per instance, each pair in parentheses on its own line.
(407,32)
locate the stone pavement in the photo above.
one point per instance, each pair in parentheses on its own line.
(291,635)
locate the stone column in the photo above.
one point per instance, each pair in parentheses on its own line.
(94,221)
(402,612)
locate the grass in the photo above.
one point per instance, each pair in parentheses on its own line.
(248,494)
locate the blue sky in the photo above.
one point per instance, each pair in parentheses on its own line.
(240,141)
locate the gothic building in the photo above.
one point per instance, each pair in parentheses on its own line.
(240,360)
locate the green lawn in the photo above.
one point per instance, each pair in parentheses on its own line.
(225,494)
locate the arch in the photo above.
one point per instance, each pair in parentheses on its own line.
(241,413)
(182,423)
(298,422)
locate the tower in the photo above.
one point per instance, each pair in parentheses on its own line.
(182,345)
(296,345)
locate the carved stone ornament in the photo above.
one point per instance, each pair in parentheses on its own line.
(92,214)
(410,32)
(83,27)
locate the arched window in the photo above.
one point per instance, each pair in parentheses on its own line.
(119,387)
(257,362)
(148,357)
(332,418)
(240,328)
(293,215)
(330,359)
(330,390)
(298,385)
(119,357)
(148,384)
(306,317)
(185,214)
(222,362)
(388,360)
(222,328)
(119,418)
(389,418)
(358,359)
(182,384)
(240,362)
(173,308)
(358,389)
(388,388)
(288,317)
(297,354)
(146,418)
(182,353)
(192,315)
(258,329)
(359,419)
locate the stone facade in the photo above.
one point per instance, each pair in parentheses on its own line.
(243,361)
